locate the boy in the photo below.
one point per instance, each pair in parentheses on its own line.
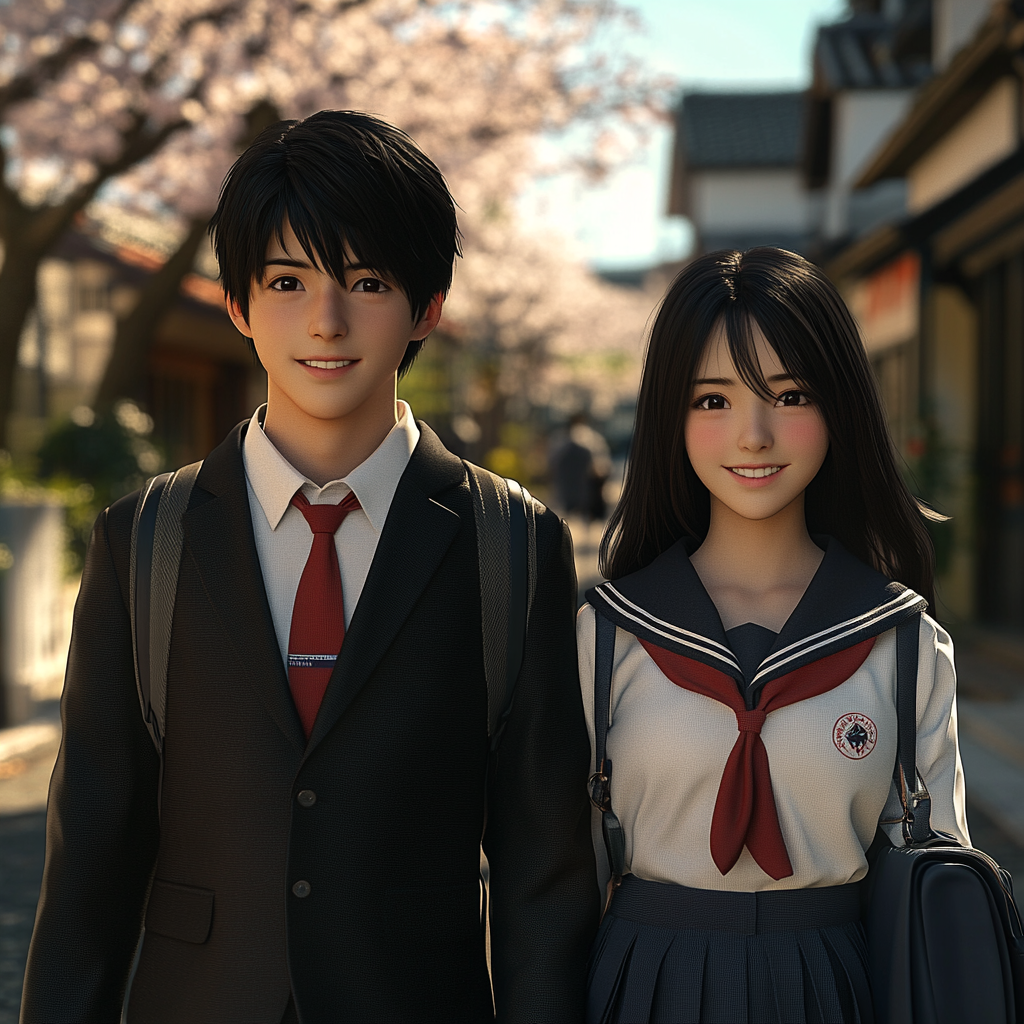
(316,852)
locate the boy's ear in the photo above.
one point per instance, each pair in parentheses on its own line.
(235,312)
(429,320)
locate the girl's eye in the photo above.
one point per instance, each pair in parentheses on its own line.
(711,402)
(789,399)
(370,284)
(287,284)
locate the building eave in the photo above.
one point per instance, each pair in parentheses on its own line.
(945,99)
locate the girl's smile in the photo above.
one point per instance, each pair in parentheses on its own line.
(755,453)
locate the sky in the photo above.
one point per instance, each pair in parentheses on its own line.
(703,44)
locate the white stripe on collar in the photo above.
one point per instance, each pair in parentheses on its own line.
(836,633)
(676,633)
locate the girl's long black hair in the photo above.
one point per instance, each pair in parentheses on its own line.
(858,495)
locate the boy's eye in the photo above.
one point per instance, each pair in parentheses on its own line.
(370,284)
(789,399)
(711,402)
(286,284)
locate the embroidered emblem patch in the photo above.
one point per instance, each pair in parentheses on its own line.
(854,735)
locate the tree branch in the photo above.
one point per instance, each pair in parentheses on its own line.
(139,142)
(28,82)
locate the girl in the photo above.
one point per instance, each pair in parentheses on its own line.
(763,552)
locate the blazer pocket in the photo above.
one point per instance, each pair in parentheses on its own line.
(180,911)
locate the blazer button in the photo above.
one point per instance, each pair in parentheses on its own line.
(302,889)
(306,797)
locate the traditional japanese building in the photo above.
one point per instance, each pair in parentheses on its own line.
(940,295)
(736,170)
(200,378)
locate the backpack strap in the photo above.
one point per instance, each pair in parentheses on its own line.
(155,560)
(600,781)
(506,534)
(913,793)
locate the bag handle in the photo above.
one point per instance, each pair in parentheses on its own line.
(600,781)
(913,793)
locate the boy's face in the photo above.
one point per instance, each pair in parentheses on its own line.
(331,348)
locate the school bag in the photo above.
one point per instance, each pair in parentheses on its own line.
(945,943)
(506,529)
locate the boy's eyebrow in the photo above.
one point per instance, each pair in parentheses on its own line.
(284,261)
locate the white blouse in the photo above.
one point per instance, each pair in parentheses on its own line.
(669,747)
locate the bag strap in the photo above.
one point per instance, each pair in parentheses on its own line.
(913,793)
(506,534)
(600,781)
(155,560)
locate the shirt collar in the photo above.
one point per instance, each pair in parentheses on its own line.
(274,480)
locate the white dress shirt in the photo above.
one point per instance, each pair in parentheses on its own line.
(283,537)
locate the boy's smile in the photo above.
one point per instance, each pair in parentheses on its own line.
(331,348)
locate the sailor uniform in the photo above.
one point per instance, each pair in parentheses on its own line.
(750,763)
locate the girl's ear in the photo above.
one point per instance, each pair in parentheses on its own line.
(429,320)
(235,312)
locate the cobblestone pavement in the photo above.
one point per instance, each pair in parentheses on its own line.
(23,785)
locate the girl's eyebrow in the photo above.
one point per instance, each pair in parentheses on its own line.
(728,382)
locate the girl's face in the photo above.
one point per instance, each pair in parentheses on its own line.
(756,456)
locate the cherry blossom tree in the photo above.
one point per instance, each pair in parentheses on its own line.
(149,101)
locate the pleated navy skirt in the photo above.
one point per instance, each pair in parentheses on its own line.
(667,954)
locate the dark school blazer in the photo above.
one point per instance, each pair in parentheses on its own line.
(380,814)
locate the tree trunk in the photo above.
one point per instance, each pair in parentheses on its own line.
(17,297)
(126,368)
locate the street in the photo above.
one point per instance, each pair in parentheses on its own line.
(23,783)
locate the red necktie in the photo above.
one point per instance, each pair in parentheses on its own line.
(318,616)
(745,812)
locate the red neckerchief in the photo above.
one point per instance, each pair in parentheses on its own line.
(745,812)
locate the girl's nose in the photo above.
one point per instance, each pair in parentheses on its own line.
(755,432)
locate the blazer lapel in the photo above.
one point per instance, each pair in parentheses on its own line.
(219,535)
(417,533)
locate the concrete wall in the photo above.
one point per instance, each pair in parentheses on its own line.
(863,119)
(744,200)
(954,23)
(984,136)
(34,626)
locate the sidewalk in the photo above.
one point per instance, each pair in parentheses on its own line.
(27,754)
(991,707)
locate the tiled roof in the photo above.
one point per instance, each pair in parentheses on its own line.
(869,52)
(754,129)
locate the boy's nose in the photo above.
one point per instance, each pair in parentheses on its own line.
(328,319)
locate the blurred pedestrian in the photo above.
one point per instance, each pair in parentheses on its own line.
(763,557)
(580,467)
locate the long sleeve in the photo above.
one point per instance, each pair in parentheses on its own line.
(102,827)
(938,752)
(544,907)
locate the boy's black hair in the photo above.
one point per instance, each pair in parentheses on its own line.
(341,178)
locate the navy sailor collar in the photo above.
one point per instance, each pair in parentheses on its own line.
(666,604)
